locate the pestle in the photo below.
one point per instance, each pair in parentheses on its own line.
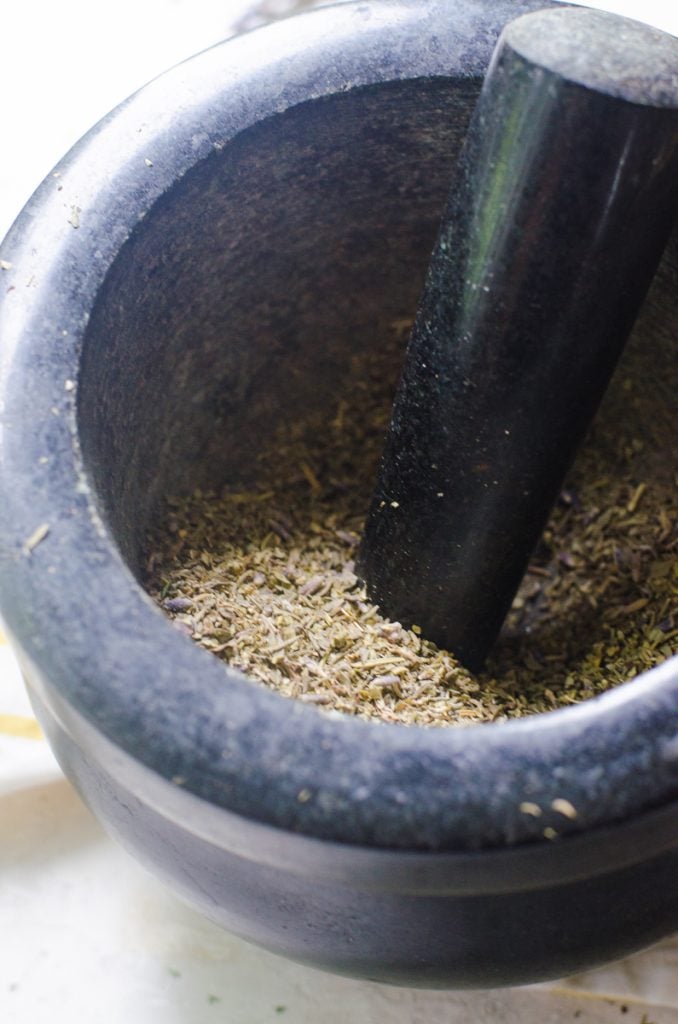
(564,197)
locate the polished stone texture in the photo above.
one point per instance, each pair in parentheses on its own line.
(563,201)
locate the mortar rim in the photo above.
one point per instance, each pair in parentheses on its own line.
(381,785)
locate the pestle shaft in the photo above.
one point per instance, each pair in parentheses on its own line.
(565,195)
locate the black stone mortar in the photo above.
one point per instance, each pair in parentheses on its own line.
(244,224)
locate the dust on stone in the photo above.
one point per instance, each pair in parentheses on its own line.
(264,578)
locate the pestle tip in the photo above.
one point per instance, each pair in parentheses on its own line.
(613,55)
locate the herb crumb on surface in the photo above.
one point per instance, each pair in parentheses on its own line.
(37,537)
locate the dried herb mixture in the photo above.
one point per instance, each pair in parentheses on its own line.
(264,579)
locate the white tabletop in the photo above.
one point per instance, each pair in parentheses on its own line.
(87,935)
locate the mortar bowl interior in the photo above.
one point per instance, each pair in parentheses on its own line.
(241,301)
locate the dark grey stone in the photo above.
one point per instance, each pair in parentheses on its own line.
(296,182)
(564,198)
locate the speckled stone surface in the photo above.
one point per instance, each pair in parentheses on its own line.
(147,320)
(619,57)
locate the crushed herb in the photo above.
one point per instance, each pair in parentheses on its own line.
(264,578)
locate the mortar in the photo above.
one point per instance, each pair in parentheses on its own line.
(198,269)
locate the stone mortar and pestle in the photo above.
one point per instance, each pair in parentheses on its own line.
(154,336)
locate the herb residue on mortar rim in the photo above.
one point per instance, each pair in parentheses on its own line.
(264,578)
